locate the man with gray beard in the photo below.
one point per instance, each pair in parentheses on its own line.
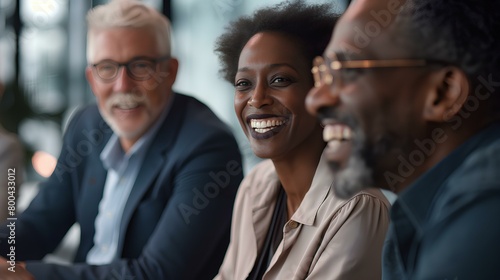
(413,86)
(149,175)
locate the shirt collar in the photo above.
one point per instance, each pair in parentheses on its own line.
(112,154)
(314,198)
(417,199)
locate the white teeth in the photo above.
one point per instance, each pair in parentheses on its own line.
(328,133)
(336,132)
(262,126)
(334,145)
(262,130)
(347,134)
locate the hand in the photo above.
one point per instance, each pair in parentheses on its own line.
(14,271)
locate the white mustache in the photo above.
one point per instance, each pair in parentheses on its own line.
(125,100)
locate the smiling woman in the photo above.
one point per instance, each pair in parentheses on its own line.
(271,84)
(287,222)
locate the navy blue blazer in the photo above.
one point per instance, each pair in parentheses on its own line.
(176,222)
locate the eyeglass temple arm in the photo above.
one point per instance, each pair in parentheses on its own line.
(336,65)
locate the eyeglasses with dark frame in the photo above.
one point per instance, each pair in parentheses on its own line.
(139,69)
(328,73)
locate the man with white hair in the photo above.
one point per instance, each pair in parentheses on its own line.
(149,175)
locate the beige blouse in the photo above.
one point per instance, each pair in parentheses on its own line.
(326,238)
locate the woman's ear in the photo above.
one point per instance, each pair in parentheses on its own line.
(448,92)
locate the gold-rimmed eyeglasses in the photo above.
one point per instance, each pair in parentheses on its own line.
(328,71)
(139,69)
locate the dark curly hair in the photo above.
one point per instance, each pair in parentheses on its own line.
(465,33)
(310,25)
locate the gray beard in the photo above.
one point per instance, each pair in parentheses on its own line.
(355,177)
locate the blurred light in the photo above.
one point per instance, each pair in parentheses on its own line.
(43,163)
(43,12)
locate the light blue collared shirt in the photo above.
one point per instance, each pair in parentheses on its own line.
(122,172)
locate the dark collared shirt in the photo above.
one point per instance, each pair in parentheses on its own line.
(446,225)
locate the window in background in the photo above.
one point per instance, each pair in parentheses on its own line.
(43,75)
(43,54)
(50,36)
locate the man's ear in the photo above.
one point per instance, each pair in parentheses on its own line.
(90,77)
(172,67)
(449,91)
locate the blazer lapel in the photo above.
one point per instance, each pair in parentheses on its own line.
(153,162)
(92,190)
(93,184)
(147,174)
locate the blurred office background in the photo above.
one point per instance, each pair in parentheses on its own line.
(42,62)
